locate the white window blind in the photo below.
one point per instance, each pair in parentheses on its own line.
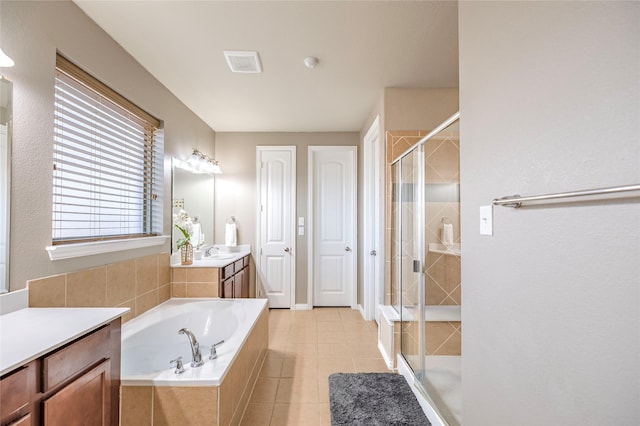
(107,162)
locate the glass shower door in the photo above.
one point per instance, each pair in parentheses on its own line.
(411,215)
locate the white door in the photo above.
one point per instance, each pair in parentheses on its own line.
(332,192)
(276,180)
(373,250)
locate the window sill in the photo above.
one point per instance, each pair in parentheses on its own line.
(69,251)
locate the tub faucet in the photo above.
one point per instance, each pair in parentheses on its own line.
(195,347)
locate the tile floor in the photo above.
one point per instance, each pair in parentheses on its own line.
(305,347)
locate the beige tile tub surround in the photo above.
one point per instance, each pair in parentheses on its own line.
(194,405)
(194,282)
(139,284)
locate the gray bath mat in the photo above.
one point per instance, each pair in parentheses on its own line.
(381,399)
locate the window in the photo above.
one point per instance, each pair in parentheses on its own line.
(107,162)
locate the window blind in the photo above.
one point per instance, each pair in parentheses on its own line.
(107,162)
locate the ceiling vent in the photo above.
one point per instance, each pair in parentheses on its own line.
(243,62)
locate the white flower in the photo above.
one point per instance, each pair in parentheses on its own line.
(183,222)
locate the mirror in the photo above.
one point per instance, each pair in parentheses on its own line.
(6,111)
(193,192)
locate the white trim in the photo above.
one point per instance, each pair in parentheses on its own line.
(385,356)
(310,182)
(294,228)
(69,251)
(360,308)
(14,301)
(424,401)
(301,307)
(373,287)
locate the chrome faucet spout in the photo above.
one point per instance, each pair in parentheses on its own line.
(195,347)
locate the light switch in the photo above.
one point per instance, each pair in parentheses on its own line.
(486,220)
(300,230)
(300,221)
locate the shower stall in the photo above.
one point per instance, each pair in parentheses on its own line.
(425,268)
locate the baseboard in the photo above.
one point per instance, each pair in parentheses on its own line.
(361,309)
(385,356)
(425,402)
(301,307)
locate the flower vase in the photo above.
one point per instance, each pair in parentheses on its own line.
(186,254)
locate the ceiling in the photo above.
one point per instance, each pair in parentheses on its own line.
(362,46)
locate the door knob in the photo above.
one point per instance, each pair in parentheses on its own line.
(347,248)
(373,253)
(287,249)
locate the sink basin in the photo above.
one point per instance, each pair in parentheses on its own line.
(219,256)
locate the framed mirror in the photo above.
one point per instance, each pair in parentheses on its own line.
(193,192)
(6,111)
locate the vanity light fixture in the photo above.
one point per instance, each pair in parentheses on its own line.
(199,163)
(5,60)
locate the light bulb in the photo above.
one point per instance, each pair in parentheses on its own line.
(5,60)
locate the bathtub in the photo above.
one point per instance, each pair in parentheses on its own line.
(223,385)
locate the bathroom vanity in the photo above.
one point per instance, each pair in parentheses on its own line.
(234,278)
(232,270)
(60,366)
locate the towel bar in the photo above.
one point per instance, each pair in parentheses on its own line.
(516,201)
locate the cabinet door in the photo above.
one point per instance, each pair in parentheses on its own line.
(84,402)
(237,285)
(228,285)
(246,282)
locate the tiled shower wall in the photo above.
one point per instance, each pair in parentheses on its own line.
(441,169)
(138,284)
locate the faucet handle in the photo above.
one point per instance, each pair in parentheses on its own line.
(214,354)
(178,364)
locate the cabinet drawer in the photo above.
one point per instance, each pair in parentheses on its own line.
(227,271)
(14,391)
(238,265)
(247,260)
(75,358)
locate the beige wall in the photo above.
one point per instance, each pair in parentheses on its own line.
(31,33)
(550,102)
(235,192)
(418,109)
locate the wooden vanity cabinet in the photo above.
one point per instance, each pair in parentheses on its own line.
(234,279)
(77,384)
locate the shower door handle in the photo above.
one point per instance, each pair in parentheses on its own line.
(417,266)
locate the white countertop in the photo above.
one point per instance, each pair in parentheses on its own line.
(219,260)
(29,333)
